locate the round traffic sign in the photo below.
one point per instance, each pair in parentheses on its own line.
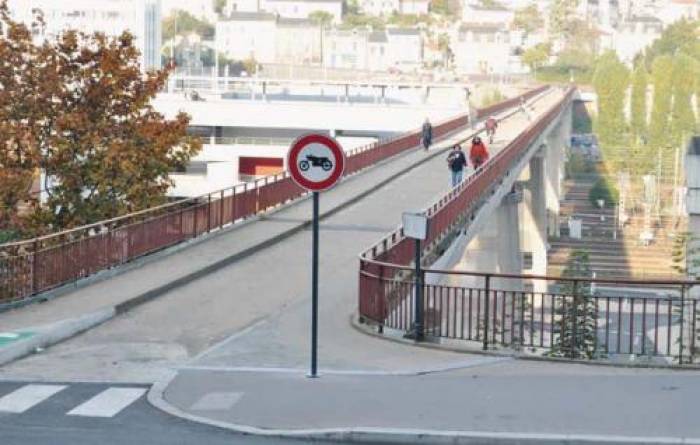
(316,162)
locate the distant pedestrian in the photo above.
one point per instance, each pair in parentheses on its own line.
(491,125)
(478,155)
(456,162)
(523,109)
(427,134)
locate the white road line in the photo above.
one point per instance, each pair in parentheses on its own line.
(108,403)
(21,399)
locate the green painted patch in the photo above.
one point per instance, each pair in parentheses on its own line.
(7,338)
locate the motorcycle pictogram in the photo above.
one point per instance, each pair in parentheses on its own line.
(315,161)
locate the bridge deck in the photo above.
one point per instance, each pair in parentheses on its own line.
(267,292)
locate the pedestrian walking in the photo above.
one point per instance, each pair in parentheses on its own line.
(523,109)
(427,134)
(479,154)
(491,125)
(456,162)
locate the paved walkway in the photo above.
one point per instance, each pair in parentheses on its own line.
(205,321)
(494,401)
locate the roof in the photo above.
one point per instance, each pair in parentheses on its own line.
(403,31)
(307,1)
(482,27)
(250,16)
(285,21)
(378,37)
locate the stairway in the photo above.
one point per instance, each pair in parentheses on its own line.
(624,256)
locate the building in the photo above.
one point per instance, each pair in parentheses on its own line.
(297,41)
(247,35)
(417,7)
(142,18)
(346,48)
(634,35)
(378,55)
(301,9)
(674,10)
(241,6)
(495,14)
(380,7)
(482,49)
(405,48)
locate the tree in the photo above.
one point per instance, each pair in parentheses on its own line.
(681,36)
(219,6)
(662,78)
(528,19)
(610,79)
(182,22)
(686,254)
(684,78)
(576,311)
(77,107)
(321,18)
(560,17)
(536,56)
(638,121)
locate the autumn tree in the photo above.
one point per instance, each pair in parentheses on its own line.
(78,109)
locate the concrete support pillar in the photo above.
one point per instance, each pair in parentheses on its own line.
(554,163)
(533,220)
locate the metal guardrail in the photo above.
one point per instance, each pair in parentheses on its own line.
(40,264)
(511,316)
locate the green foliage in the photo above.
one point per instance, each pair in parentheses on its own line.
(441,7)
(492,97)
(662,75)
(682,36)
(686,252)
(321,18)
(611,78)
(8,235)
(219,6)
(604,190)
(578,164)
(560,15)
(528,19)
(409,20)
(536,56)
(351,21)
(182,23)
(576,312)
(638,121)
(684,77)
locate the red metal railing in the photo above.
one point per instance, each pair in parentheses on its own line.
(33,266)
(443,215)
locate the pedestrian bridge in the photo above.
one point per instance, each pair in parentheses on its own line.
(226,274)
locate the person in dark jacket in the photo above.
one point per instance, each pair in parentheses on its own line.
(456,161)
(427,134)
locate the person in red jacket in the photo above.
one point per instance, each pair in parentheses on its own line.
(478,155)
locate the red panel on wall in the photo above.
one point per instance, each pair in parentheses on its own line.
(256,166)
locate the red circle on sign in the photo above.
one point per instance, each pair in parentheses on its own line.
(302,177)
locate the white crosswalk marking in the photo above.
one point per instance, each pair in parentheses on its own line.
(108,403)
(22,399)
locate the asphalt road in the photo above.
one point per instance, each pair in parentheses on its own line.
(48,422)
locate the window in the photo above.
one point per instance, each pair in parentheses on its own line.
(527,260)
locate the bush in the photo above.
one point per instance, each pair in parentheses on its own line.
(8,235)
(605,191)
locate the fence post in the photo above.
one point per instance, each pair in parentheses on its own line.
(680,330)
(196,210)
(487,288)
(34,264)
(574,320)
(209,214)
(221,210)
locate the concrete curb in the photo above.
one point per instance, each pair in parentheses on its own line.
(156,397)
(53,333)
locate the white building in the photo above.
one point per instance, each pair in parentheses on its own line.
(417,7)
(482,49)
(346,49)
(301,9)
(496,14)
(241,6)
(634,35)
(269,38)
(297,41)
(380,7)
(405,48)
(674,10)
(247,35)
(142,18)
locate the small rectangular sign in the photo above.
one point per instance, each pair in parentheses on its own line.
(415,225)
